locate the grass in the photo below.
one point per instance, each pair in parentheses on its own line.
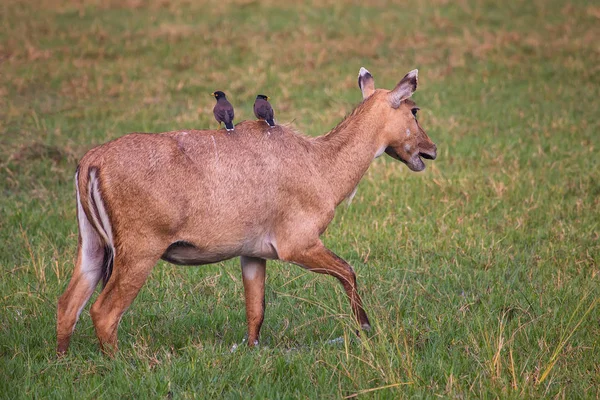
(480,275)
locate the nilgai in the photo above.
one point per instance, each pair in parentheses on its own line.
(200,197)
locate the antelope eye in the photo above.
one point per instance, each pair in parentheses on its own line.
(414,111)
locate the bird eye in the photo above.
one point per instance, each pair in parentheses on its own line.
(414,111)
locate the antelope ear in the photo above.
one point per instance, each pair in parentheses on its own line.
(404,89)
(366,83)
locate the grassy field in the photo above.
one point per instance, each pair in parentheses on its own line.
(481,275)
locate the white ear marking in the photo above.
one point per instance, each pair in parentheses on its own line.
(366,83)
(404,89)
(363,71)
(414,73)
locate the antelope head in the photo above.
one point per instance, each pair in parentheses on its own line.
(402,136)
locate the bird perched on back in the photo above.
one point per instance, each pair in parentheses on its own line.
(263,110)
(223,110)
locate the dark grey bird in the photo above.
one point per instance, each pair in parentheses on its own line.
(263,109)
(223,110)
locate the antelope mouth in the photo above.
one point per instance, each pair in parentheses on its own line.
(429,155)
(415,162)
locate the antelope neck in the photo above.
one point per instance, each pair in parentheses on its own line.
(345,153)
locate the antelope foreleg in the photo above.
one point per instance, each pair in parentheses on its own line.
(253,276)
(321,260)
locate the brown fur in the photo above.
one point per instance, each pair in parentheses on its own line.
(259,193)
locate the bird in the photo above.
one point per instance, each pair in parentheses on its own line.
(223,110)
(263,110)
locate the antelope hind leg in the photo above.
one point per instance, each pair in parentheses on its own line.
(128,276)
(87,273)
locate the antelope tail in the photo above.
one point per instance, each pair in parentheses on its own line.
(99,220)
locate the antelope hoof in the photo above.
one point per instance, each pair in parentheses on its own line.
(62,346)
(363,328)
(109,350)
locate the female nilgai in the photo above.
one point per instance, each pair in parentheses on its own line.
(199,197)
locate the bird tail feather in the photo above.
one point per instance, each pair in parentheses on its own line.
(271,122)
(229,126)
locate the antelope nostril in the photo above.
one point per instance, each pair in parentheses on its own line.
(429,154)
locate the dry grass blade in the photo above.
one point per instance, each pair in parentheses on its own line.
(566,336)
(361,392)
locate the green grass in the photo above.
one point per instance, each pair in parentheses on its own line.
(480,275)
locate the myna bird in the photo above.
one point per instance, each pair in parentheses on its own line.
(223,110)
(263,110)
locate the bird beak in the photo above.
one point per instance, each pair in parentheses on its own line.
(268,98)
(213,94)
